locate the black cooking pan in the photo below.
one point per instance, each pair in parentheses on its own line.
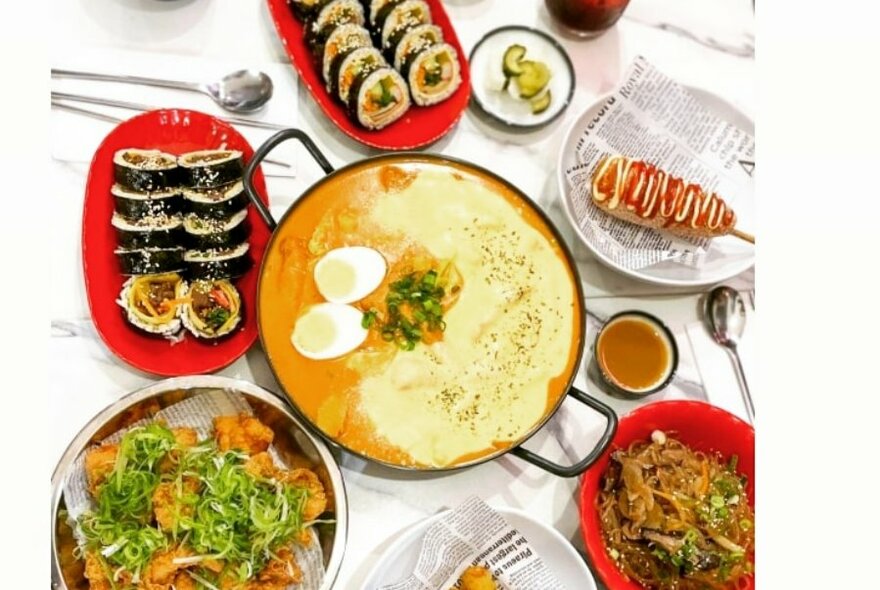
(416,159)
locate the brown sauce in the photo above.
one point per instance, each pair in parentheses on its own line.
(633,353)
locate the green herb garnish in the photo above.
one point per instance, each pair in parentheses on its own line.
(433,76)
(413,307)
(221,511)
(217,317)
(120,526)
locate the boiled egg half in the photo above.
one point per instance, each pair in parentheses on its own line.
(328,330)
(346,275)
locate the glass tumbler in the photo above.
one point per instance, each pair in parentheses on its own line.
(586,18)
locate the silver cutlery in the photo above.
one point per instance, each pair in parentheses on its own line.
(133,106)
(725,316)
(242,91)
(111,119)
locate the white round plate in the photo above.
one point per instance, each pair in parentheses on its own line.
(399,560)
(665,273)
(485,64)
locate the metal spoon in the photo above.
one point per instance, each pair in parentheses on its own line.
(243,91)
(726,319)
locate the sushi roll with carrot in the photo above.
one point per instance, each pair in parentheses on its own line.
(350,66)
(378,98)
(396,20)
(331,15)
(211,308)
(343,39)
(413,42)
(151,302)
(433,74)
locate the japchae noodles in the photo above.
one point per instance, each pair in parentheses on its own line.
(675,518)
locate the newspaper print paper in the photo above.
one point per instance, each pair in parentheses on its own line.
(653,118)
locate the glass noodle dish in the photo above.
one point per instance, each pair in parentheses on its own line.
(675,518)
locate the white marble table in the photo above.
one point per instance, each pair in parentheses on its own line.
(85,376)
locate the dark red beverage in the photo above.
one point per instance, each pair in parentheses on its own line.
(586,17)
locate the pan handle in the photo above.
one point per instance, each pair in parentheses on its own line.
(580,466)
(263,151)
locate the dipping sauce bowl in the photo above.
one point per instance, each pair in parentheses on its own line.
(636,354)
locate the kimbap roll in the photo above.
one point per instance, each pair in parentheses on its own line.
(153,231)
(332,15)
(377,9)
(433,75)
(217,203)
(348,67)
(151,302)
(401,18)
(210,168)
(219,263)
(135,204)
(211,309)
(414,42)
(205,233)
(303,9)
(378,98)
(145,170)
(146,261)
(342,40)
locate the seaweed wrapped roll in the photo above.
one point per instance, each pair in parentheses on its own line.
(348,67)
(151,302)
(134,204)
(145,261)
(205,233)
(303,9)
(343,39)
(211,308)
(211,168)
(400,19)
(414,42)
(378,98)
(219,263)
(150,231)
(377,9)
(217,203)
(333,14)
(434,74)
(145,170)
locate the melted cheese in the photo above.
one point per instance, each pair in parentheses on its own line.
(508,337)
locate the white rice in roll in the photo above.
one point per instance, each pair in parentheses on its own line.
(382,98)
(434,74)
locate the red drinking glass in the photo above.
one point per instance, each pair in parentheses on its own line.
(586,18)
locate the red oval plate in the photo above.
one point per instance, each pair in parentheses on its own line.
(699,425)
(174,131)
(420,126)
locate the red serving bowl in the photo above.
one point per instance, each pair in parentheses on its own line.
(699,425)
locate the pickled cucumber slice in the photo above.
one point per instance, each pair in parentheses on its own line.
(541,103)
(512,58)
(534,77)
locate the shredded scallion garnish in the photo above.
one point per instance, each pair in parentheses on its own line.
(413,307)
(220,510)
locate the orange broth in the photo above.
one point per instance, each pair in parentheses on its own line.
(332,215)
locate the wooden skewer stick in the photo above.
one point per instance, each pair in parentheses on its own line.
(743,235)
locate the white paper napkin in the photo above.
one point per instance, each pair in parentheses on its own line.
(75,137)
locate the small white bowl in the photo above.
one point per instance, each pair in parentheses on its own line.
(487,77)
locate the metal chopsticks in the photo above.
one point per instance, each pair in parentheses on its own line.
(133,106)
(57,97)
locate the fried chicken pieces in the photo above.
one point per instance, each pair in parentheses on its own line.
(173,500)
(476,578)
